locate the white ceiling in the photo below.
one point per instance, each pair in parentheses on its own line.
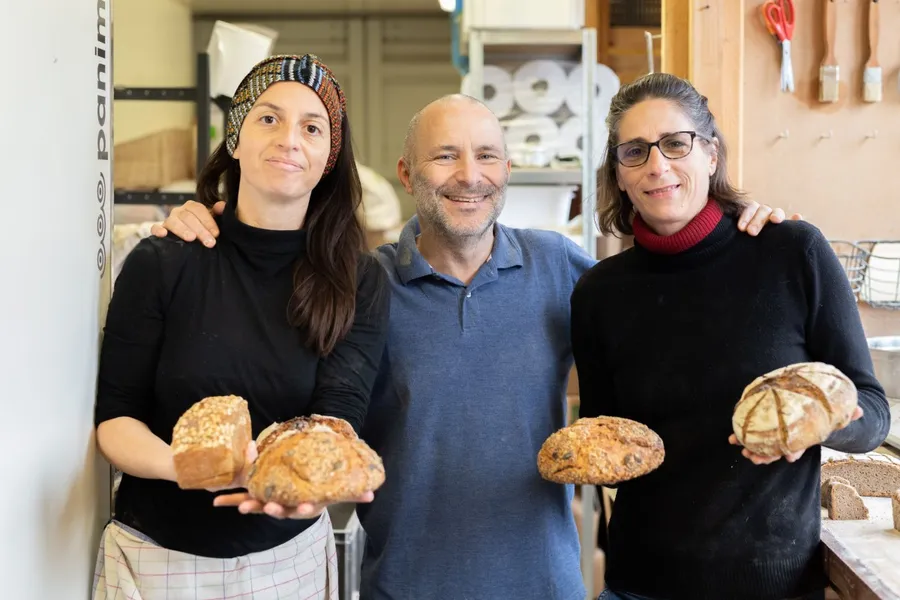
(294,7)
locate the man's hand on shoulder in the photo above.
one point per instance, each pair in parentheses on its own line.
(756,216)
(190,222)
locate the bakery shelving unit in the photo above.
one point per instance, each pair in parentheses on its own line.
(580,44)
(200,96)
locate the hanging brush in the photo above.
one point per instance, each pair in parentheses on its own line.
(829,74)
(872,74)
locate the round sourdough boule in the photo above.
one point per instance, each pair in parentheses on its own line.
(600,451)
(792,408)
(317,466)
(277,431)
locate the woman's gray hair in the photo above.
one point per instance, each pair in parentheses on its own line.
(615,208)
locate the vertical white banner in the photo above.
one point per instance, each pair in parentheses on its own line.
(103,52)
(105,93)
(56,195)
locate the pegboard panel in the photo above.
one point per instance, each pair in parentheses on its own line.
(837,164)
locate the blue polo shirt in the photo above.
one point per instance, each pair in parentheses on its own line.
(473,381)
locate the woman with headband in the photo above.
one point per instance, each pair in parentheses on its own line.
(287,311)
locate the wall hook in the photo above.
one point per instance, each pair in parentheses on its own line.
(784,134)
(706,6)
(872,135)
(827,136)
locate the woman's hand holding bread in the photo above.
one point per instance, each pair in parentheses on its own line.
(247,504)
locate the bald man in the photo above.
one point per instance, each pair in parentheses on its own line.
(472,382)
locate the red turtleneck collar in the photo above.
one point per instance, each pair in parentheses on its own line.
(691,235)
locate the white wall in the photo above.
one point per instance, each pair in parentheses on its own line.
(55,491)
(154,48)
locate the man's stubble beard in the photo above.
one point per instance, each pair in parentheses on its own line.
(430,209)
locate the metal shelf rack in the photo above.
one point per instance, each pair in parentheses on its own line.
(200,96)
(580,44)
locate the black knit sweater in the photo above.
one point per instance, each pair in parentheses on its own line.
(671,340)
(187,322)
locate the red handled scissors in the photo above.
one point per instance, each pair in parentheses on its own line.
(779,18)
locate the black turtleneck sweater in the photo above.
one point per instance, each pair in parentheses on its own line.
(186,322)
(670,338)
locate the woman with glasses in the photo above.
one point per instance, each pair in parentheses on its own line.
(670,332)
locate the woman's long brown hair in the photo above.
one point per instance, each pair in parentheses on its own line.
(323,304)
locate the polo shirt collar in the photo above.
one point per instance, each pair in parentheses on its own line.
(410,263)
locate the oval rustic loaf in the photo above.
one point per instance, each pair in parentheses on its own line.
(314,463)
(600,451)
(793,408)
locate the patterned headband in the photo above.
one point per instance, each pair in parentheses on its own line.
(306,69)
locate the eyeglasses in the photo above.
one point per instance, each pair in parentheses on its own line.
(673,146)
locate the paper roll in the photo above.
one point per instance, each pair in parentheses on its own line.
(497,91)
(606,84)
(533,140)
(540,86)
(571,143)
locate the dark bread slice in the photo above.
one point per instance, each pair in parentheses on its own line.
(826,487)
(845,504)
(873,475)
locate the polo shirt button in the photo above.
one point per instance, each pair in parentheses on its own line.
(469,295)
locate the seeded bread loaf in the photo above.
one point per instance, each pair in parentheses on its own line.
(872,475)
(314,463)
(600,451)
(277,431)
(793,408)
(845,504)
(209,442)
(895,506)
(826,488)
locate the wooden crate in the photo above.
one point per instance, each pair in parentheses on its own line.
(154,160)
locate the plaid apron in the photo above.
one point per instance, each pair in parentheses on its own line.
(130,566)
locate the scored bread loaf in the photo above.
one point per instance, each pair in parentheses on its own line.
(875,475)
(793,408)
(316,460)
(209,442)
(845,503)
(600,451)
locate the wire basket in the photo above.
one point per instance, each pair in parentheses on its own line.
(873,269)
